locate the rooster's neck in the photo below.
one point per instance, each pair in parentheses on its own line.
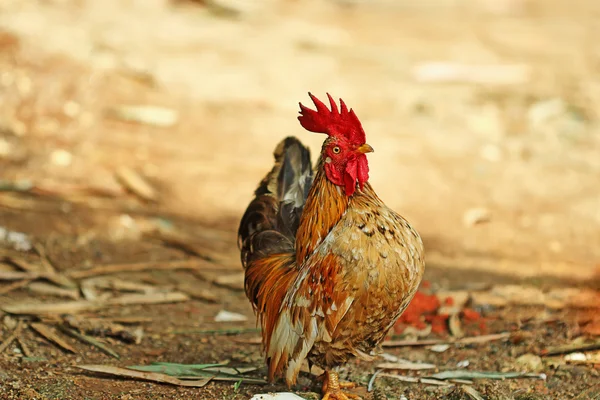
(325,205)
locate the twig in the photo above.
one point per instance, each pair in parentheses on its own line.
(124,320)
(136,184)
(217,331)
(571,348)
(472,393)
(90,340)
(198,293)
(47,333)
(252,340)
(102,328)
(136,267)
(412,379)
(17,276)
(44,288)
(49,273)
(53,275)
(119,285)
(466,340)
(15,334)
(178,241)
(372,380)
(15,286)
(73,307)
(24,348)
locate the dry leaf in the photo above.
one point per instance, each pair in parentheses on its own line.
(147,376)
(47,333)
(136,184)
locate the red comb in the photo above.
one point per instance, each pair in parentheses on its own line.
(342,123)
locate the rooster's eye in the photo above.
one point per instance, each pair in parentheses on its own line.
(336,150)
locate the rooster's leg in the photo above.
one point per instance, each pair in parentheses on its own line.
(332,387)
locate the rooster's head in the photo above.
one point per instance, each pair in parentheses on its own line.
(343,152)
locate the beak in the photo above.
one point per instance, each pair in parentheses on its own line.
(365,148)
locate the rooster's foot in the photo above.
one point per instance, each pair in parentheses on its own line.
(332,387)
(339,395)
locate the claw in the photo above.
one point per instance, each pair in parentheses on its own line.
(332,387)
(340,396)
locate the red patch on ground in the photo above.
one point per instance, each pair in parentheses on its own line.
(424,309)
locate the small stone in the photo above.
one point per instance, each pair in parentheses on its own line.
(5,148)
(62,158)
(71,109)
(529,362)
(439,348)
(576,357)
(277,396)
(476,216)
(228,316)
(18,128)
(555,246)
(491,153)
(544,111)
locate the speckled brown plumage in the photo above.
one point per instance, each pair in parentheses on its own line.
(328,273)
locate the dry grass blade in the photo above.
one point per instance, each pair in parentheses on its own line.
(472,393)
(252,340)
(406,365)
(119,285)
(484,338)
(15,286)
(15,202)
(571,348)
(430,342)
(14,335)
(198,293)
(134,183)
(150,298)
(17,276)
(49,335)
(216,372)
(52,274)
(178,241)
(24,348)
(136,267)
(51,290)
(148,376)
(411,379)
(47,271)
(74,307)
(125,320)
(464,374)
(190,245)
(218,331)
(145,114)
(90,340)
(103,328)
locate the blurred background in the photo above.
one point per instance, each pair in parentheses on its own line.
(479,111)
(483,115)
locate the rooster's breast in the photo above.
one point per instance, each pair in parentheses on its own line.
(381,265)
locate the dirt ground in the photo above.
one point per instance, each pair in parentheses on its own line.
(483,116)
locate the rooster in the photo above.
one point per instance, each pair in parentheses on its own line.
(329,268)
